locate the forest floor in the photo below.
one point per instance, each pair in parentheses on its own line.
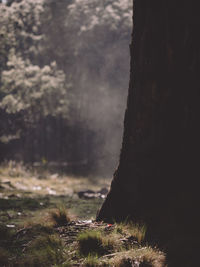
(48,219)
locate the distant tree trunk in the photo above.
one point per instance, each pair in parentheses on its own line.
(158,173)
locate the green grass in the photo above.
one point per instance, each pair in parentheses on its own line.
(91,242)
(23,203)
(97,242)
(135,230)
(114,248)
(43,251)
(85,209)
(34,245)
(94,242)
(42,245)
(19,194)
(91,261)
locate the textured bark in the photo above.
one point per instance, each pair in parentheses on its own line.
(158,173)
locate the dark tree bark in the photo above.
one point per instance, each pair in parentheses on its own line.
(158,173)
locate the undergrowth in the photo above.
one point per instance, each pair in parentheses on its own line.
(33,245)
(51,240)
(121,246)
(104,246)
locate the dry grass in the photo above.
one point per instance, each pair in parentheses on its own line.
(41,245)
(94,242)
(22,190)
(108,249)
(60,216)
(145,255)
(136,230)
(91,261)
(26,197)
(14,169)
(90,242)
(47,183)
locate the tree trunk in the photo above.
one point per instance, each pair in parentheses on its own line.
(157,177)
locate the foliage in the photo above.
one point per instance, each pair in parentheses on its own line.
(29,91)
(48,53)
(112,14)
(20,28)
(38,92)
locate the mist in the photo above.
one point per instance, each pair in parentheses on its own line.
(104,101)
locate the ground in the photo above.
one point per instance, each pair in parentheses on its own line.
(46,220)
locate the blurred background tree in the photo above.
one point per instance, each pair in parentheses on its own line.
(64,69)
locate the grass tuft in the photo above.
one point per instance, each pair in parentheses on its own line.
(137,231)
(90,242)
(124,262)
(91,261)
(94,243)
(60,216)
(144,257)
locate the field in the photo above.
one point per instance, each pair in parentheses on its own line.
(47,219)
